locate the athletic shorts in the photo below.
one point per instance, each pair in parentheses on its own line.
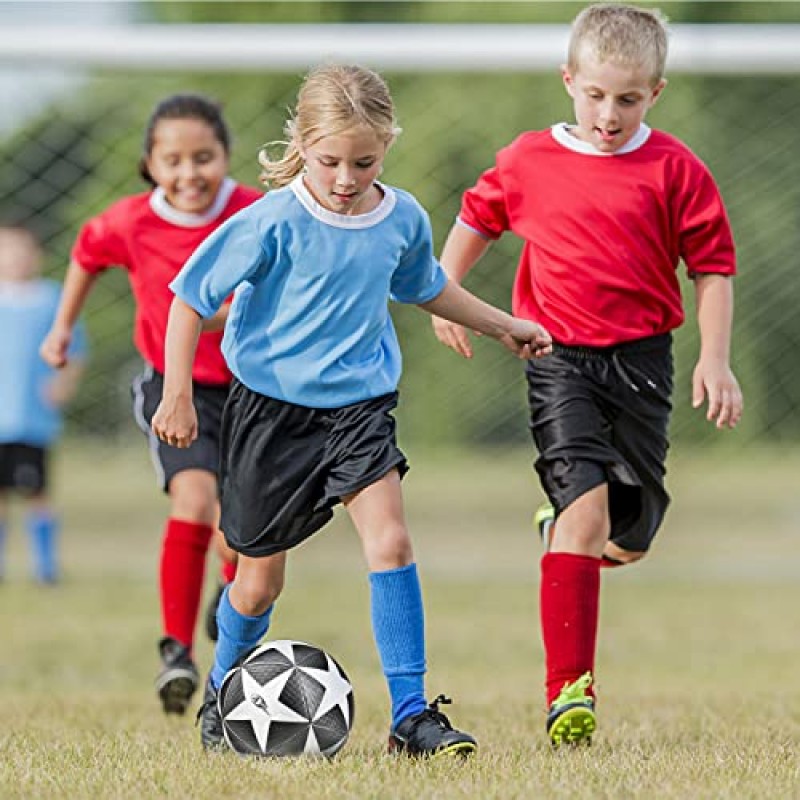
(284,467)
(203,453)
(23,468)
(600,415)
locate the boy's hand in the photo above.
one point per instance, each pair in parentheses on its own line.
(527,339)
(55,347)
(175,421)
(715,380)
(453,335)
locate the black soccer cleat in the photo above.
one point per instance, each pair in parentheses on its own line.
(430,734)
(212,631)
(210,719)
(178,679)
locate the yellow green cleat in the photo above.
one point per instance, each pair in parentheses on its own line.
(571,718)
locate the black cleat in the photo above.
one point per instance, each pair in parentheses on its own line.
(210,720)
(430,733)
(178,679)
(212,631)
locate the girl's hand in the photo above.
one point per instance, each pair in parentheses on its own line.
(454,336)
(715,380)
(55,347)
(527,339)
(175,421)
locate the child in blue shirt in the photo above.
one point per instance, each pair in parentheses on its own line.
(310,340)
(32,393)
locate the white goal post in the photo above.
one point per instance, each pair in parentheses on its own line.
(707,49)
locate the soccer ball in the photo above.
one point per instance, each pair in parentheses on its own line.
(286,699)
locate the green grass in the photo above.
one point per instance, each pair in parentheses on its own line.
(697,663)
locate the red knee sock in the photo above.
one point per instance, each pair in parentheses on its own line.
(569,610)
(228,571)
(183,565)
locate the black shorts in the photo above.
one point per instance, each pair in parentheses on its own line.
(23,468)
(284,467)
(203,453)
(600,415)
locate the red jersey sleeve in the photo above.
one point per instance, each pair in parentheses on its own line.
(483,207)
(705,237)
(98,246)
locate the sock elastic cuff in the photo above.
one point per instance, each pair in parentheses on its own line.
(395,572)
(570,560)
(183,530)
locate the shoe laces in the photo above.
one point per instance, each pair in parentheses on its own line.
(433,714)
(574,692)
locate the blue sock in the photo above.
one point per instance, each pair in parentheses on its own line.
(237,635)
(398,623)
(42,529)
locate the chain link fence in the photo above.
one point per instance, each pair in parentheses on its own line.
(79,154)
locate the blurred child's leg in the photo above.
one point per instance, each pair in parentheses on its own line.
(187,535)
(227,557)
(398,620)
(43,529)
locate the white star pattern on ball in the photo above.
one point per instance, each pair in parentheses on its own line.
(337,689)
(261,706)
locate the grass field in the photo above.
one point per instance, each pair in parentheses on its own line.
(697,665)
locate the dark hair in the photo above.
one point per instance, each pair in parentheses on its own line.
(183,106)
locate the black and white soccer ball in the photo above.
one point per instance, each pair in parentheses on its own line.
(286,698)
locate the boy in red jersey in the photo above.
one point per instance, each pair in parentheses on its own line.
(606,208)
(151,235)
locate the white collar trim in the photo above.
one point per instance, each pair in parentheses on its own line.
(354,221)
(562,135)
(160,206)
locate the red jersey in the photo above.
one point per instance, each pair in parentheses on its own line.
(152,240)
(603,234)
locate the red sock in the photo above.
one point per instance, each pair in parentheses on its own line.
(228,571)
(569,610)
(183,565)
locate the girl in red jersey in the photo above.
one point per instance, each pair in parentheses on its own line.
(185,159)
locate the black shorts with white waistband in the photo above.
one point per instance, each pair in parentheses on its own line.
(203,453)
(601,415)
(284,467)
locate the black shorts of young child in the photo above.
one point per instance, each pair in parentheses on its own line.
(600,415)
(203,453)
(23,468)
(285,467)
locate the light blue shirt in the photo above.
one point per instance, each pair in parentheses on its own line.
(27,310)
(310,322)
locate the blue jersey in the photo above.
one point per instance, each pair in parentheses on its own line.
(310,321)
(27,310)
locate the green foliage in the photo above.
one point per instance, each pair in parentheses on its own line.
(81,155)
